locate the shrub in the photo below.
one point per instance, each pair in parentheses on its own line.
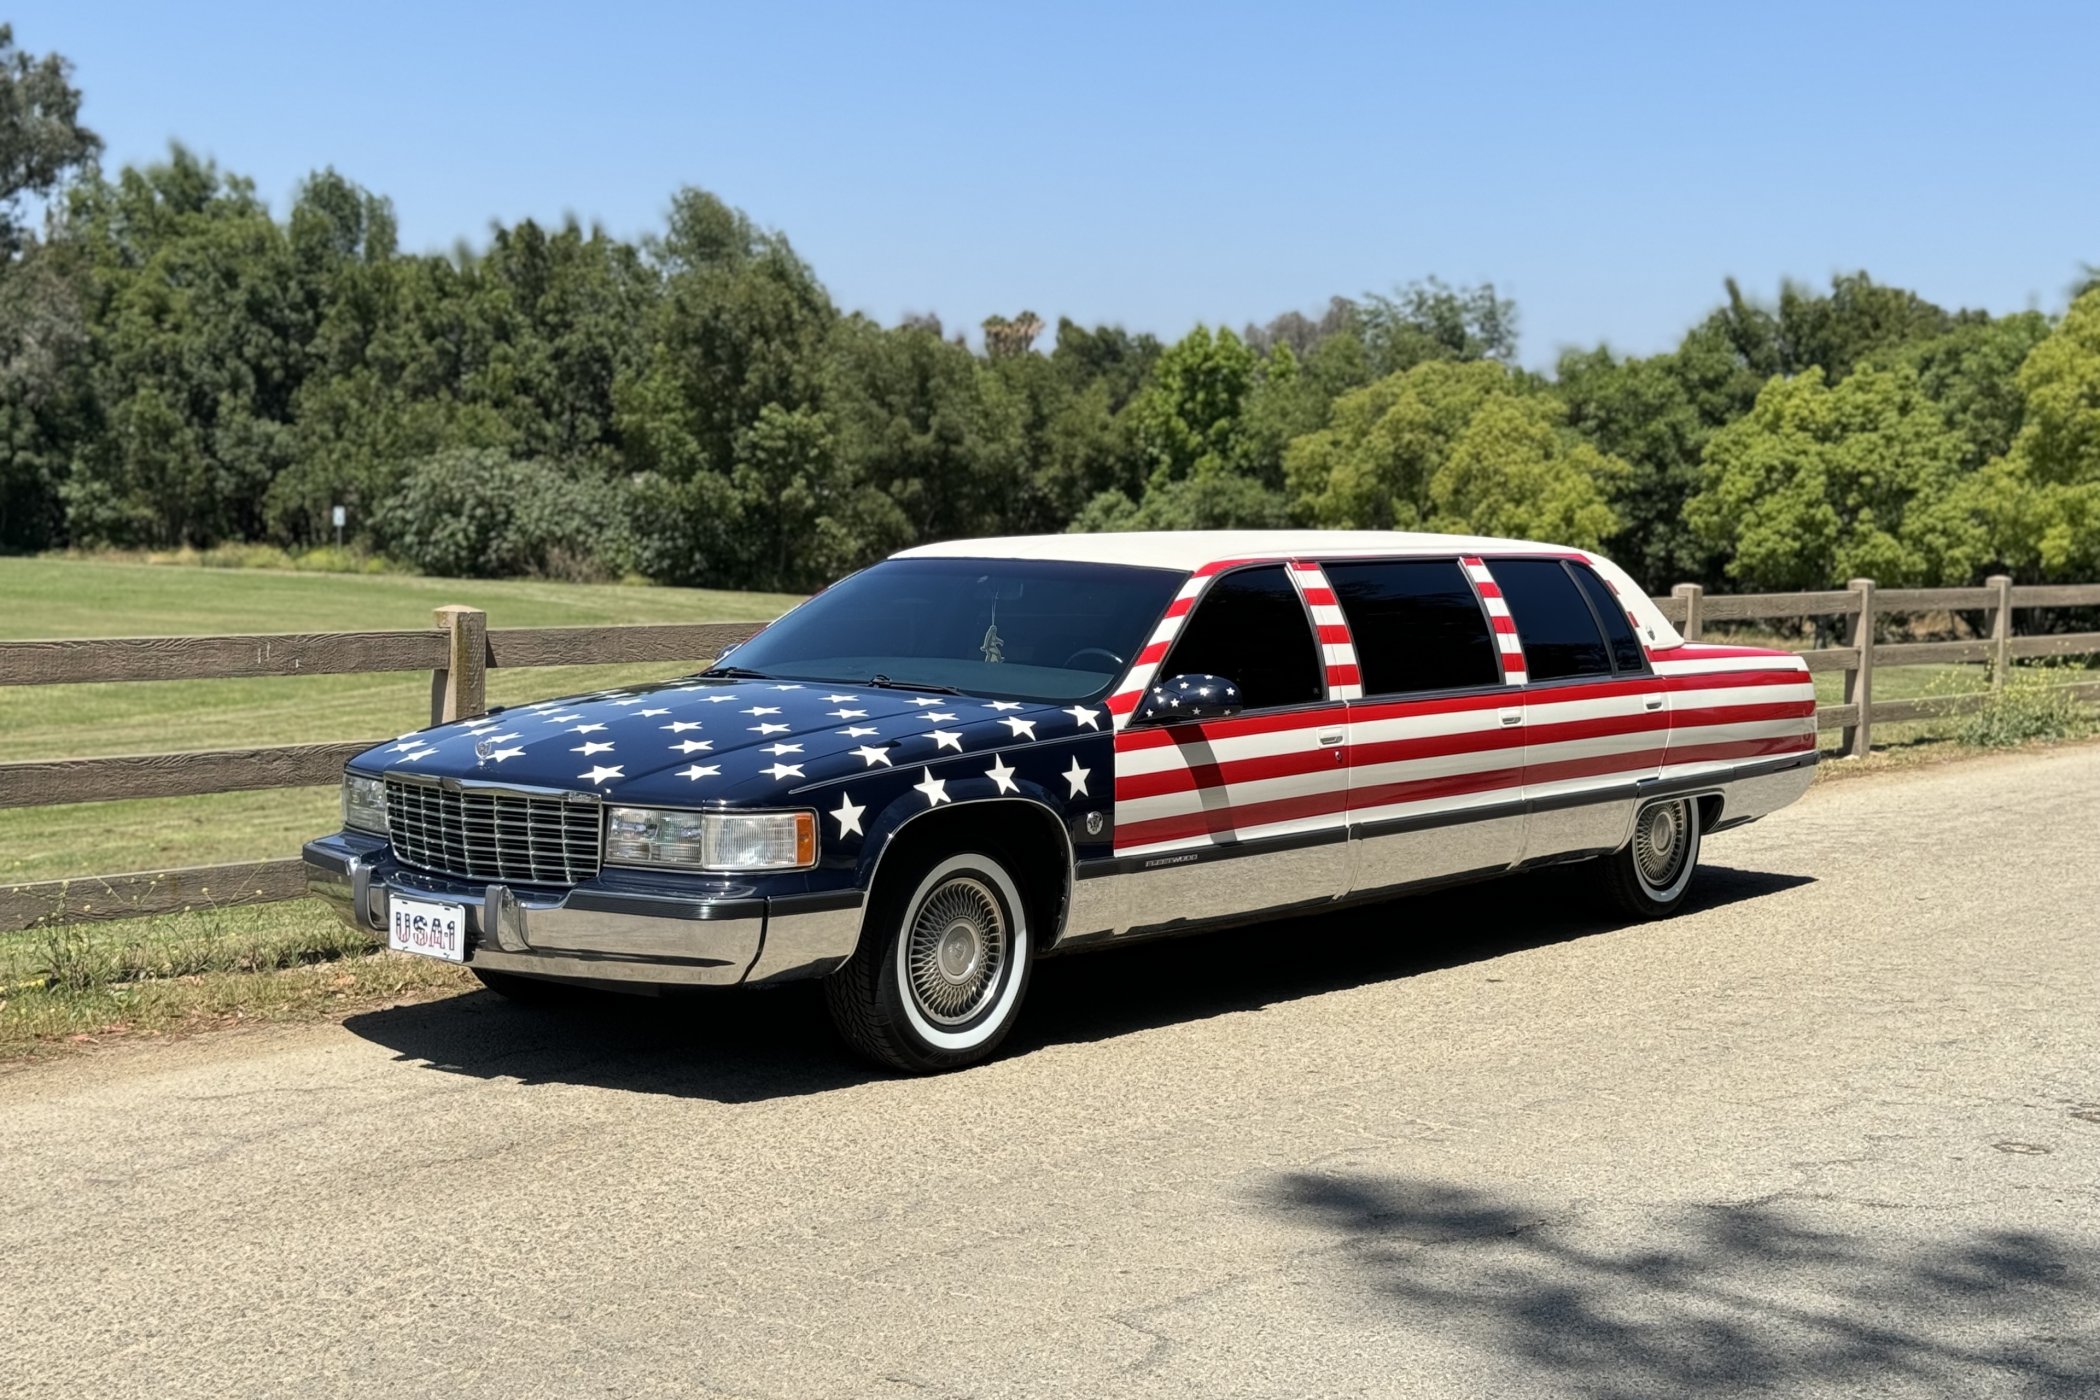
(479,514)
(2028,706)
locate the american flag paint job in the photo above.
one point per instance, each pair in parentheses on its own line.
(1705,710)
(1337,648)
(1503,625)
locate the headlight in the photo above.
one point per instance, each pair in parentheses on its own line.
(364,803)
(711,840)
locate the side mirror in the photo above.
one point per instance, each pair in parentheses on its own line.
(1191,697)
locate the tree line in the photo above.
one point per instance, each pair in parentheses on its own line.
(179,366)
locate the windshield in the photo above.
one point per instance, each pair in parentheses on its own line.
(1007,628)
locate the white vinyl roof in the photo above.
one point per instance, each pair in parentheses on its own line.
(1189,550)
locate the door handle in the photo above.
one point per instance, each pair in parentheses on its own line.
(1331,736)
(1651,702)
(1511,716)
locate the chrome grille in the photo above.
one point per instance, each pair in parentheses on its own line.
(492,833)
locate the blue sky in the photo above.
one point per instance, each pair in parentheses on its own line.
(1606,165)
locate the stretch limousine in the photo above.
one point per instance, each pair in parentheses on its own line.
(976,753)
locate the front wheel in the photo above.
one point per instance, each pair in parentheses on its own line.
(943,960)
(1651,876)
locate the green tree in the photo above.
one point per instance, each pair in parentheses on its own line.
(1822,482)
(1454,446)
(1220,501)
(2040,503)
(196,356)
(742,323)
(1187,422)
(42,142)
(1645,412)
(1972,372)
(909,418)
(1428,320)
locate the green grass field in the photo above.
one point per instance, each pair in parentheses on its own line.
(71,598)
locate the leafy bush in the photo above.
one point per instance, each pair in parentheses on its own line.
(479,514)
(2027,707)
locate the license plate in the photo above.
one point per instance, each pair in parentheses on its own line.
(428,929)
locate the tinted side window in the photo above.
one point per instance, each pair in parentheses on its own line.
(1416,624)
(1251,629)
(1556,626)
(1626,651)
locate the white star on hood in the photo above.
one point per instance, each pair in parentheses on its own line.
(599,775)
(1084,718)
(1020,726)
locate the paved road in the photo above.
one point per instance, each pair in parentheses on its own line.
(1835,1132)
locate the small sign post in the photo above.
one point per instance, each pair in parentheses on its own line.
(340,516)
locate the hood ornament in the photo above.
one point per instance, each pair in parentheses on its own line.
(482,749)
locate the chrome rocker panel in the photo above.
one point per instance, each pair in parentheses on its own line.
(598,936)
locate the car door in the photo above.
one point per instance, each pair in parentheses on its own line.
(1235,815)
(1435,743)
(1595,723)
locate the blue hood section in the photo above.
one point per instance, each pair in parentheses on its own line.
(747,743)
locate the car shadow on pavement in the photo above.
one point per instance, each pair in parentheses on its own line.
(738,1045)
(1706,1300)
(1092,996)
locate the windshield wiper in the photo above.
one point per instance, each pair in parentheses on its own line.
(887,684)
(736,673)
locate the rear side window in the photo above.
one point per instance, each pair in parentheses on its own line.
(1626,651)
(1554,621)
(1416,624)
(1251,629)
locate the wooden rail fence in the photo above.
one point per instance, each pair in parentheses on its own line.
(460,648)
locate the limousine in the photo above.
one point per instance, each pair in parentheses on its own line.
(977,753)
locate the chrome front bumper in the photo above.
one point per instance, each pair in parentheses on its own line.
(601,936)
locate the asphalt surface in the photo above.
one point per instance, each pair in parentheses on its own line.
(1834,1132)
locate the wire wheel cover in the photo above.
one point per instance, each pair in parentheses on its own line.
(1661,843)
(956,950)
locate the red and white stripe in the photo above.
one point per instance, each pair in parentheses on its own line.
(1337,651)
(1504,625)
(1732,705)
(1267,775)
(1246,778)
(1138,679)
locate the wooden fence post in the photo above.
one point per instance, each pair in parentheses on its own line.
(1694,597)
(2001,627)
(1859,681)
(459,690)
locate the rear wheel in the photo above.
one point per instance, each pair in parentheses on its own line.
(943,961)
(1651,876)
